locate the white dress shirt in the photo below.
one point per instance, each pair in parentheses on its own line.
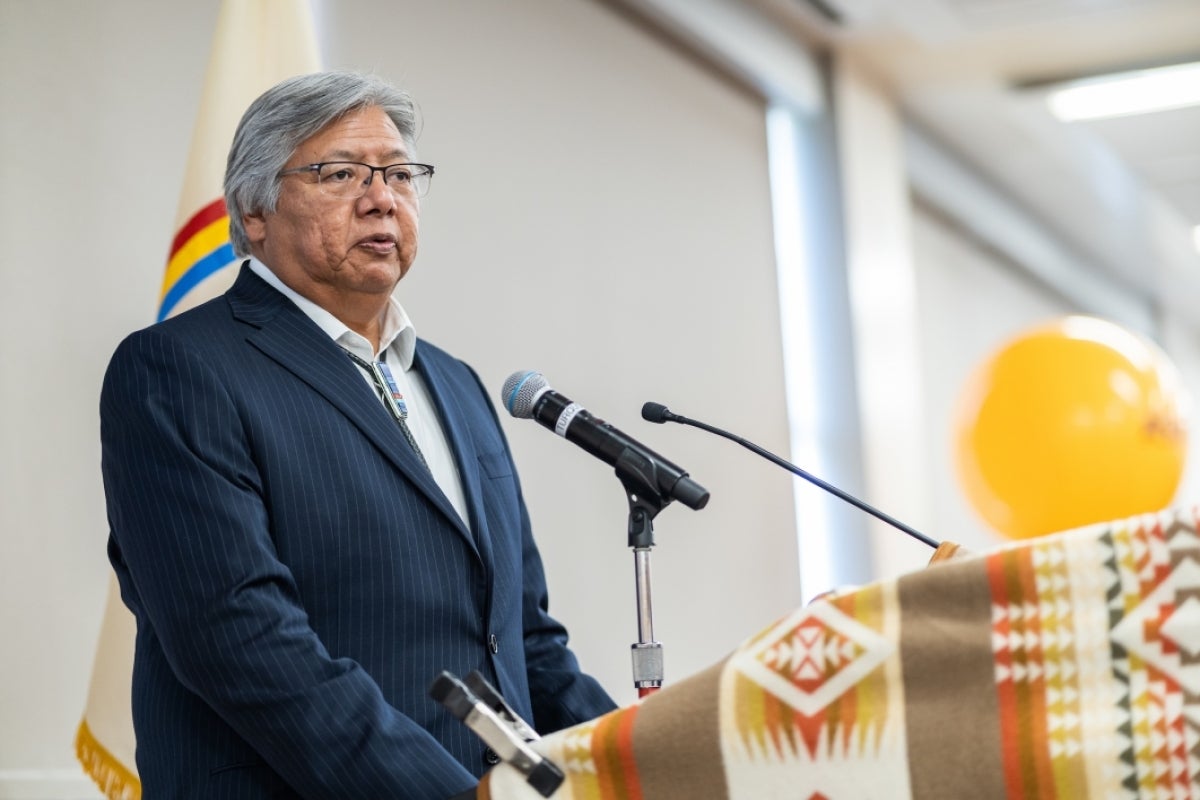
(397,344)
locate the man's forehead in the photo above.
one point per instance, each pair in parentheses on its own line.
(342,154)
(356,132)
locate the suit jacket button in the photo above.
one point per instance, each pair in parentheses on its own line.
(491,757)
(493,643)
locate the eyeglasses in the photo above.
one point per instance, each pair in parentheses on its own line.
(350,179)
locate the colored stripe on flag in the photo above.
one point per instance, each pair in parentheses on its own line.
(200,248)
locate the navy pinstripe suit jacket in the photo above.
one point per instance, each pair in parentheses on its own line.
(297,576)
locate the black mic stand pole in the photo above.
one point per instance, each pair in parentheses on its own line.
(637,476)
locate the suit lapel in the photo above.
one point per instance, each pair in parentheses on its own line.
(454,423)
(286,335)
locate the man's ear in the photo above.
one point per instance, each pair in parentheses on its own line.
(256,227)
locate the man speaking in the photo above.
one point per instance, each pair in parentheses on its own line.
(313,512)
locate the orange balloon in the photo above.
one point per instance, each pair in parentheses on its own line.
(1072,422)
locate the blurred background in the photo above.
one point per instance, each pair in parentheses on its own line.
(811,222)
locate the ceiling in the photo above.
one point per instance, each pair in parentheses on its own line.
(972,74)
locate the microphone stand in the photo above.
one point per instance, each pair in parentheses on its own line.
(658,413)
(637,476)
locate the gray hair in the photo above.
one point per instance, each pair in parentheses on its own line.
(281,119)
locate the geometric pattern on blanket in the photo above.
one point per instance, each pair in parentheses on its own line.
(1057,668)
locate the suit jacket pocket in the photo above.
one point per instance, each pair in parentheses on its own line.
(495,465)
(248,779)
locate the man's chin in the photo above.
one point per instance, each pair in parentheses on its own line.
(379,277)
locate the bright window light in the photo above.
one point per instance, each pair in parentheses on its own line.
(1196,237)
(1125,93)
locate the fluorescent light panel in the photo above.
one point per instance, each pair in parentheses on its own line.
(1121,94)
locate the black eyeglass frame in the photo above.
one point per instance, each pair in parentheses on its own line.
(315,169)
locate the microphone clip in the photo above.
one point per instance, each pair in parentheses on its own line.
(478,705)
(637,475)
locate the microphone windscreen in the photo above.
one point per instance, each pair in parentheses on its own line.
(655,412)
(521,392)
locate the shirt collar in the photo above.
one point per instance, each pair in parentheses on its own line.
(398,332)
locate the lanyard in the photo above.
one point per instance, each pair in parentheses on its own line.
(385,384)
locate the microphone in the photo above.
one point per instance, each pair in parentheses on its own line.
(658,413)
(527,395)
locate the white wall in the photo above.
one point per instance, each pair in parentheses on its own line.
(1180,340)
(600,212)
(97,103)
(884,312)
(971,303)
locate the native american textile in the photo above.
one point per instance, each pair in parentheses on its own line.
(1060,668)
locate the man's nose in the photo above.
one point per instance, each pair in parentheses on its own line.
(377,194)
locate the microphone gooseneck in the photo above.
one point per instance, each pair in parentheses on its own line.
(527,395)
(658,413)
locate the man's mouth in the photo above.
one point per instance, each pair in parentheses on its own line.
(378,243)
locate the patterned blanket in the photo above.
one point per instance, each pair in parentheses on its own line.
(1059,668)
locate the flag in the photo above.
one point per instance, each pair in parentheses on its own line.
(257,43)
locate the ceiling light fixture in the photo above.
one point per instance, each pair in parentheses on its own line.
(1124,93)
